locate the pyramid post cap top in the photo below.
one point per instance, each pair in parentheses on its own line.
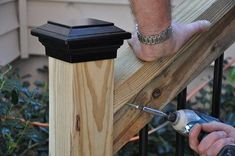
(89,38)
(79,30)
(81,23)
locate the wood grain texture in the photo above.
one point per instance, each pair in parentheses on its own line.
(131,74)
(172,74)
(81,108)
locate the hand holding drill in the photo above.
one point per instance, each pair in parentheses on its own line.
(220,137)
(207,135)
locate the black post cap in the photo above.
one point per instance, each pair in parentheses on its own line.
(88,40)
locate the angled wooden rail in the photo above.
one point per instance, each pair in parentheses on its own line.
(89,89)
(136,81)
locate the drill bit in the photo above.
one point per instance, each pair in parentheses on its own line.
(149,110)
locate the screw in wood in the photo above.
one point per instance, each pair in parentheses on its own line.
(156,93)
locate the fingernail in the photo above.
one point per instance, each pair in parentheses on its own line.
(207,24)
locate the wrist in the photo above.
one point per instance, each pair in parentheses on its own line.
(152,16)
(154,38)
(150,28)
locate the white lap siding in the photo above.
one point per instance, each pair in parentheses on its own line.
(9,36)
(40,11)
(27,14)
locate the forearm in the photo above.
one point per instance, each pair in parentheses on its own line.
(152,16)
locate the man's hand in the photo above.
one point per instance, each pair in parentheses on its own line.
(219,136)
(181,34)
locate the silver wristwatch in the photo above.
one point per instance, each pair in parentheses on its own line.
(155,39)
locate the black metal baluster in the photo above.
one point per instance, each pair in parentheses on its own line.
(143,142)
(217,83)
(180,143)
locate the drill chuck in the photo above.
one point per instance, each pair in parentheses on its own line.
(172,117)
(183,120)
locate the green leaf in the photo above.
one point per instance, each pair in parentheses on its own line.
(39,83)
(231,119)
(43,70)
(36,136)
(46,130)
(25,84)
(12,122)
(14,96)
(3,109)
(5,131)
(26,92)
(232,75)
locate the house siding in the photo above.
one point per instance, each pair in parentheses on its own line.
(9,36)
(117,12)
(18,17)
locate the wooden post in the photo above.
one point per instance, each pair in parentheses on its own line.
(81,77)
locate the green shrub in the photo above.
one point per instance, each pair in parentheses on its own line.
(19,107)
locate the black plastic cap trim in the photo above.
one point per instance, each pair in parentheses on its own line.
(86,40)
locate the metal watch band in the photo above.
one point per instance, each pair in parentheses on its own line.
(155,39)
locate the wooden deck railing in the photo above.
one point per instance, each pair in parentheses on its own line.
(88,93)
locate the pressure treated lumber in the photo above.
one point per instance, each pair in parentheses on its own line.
(131,74)
(172,74)
(81,108)
(81,77)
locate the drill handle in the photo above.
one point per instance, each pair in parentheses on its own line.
(228,150)
(202,135)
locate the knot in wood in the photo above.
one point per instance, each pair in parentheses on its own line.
(77,122)
(156,93)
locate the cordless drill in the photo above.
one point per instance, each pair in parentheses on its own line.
(183,121)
